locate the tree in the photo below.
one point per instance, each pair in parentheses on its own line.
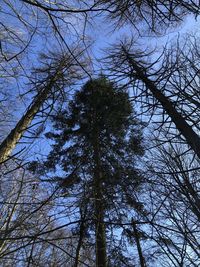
(164,89)
(175,205)
(57,74)
(97,140)
(155,16)
(15,44)
(100,170)
(30,231)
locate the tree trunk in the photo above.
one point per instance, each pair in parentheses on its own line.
(139,248)
(101,258)
(81,237)
(184,128)
(100,235)
(10,142)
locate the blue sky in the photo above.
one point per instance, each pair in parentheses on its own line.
(101,35)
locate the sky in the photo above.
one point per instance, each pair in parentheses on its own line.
(102,36)
(105,36)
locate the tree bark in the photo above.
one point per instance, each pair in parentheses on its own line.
(81,237)
(184,128)
(10,142)
(139,248)
(101,258)
(100,235)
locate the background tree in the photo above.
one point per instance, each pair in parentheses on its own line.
(57,74)
(174,194)
(164,87)
(32,229)
(153,16)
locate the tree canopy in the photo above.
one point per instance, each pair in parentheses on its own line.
(99,170)
(97,144)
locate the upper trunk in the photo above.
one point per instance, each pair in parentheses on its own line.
(10,142)
(139,248)
(184,128)
(101,257)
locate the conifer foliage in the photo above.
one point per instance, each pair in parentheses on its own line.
(96,144)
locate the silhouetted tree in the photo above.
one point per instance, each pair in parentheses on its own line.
(164,87)
(57,73)
(98,137)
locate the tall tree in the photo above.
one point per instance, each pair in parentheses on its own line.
(175,194)
(58,72)
(98,137)
(162,87)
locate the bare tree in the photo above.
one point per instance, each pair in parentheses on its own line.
(30,231)
(154,16)
(55,77)
(165,89)
(174,196)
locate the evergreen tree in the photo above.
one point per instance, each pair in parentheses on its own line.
(97,141)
